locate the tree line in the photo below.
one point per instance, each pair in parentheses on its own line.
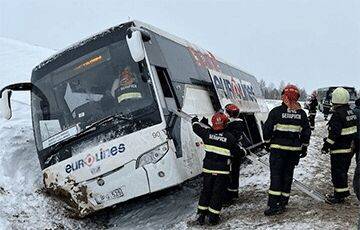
(270,91)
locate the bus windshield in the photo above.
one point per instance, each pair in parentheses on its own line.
(102,83)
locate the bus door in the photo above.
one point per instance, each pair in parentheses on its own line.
(169,102)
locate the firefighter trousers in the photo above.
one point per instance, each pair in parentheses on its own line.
(282,165)
(312,121)
(213,193)
(233,188)
(357,150)
(340,164)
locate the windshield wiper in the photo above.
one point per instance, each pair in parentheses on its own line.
(88,129)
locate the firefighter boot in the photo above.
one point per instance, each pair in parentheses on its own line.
(214,219)
(274,210)
(201,219)
(283,202)
(331,199)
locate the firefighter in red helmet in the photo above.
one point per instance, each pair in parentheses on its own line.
(219,146)
(287,135)
(237,127)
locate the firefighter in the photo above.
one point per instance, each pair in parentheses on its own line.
(356,180)
(237,128)
(312,110)
(287,135)
(326,106)
(126,86)
(342,129)
(357,141)
(219,146)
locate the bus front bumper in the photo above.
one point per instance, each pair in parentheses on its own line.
(117,186)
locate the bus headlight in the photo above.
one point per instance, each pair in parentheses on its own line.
(153,155)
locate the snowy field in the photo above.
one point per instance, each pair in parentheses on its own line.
(23,204)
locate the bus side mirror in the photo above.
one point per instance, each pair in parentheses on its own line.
(135,38)
(5,105)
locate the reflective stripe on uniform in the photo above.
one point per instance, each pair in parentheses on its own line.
(217,150)
(202,207)
(232,190)
(288,128)
(348,131)
(341,151)
(284,147)
(128,96)
(215,171)
(275,193)
(342,189)
(267,141)
(214,211)
(285,194)
(330,141)
(312,113)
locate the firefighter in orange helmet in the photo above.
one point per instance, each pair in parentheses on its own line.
(287,135)
(219,147)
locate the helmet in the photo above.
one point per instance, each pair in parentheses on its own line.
(314,94)
(340,96)
(291,92)
(232,110)
(219,121)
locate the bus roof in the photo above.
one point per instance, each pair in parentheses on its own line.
(182,42)
(114,29)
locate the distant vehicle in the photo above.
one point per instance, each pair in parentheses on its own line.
(324,95)
(104,113)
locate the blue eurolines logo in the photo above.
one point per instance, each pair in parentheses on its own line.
(90,159)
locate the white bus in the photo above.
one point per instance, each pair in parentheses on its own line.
(103,119)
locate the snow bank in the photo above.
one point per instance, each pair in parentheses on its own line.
(17,61)
(22,204)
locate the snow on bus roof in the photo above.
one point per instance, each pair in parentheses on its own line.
(77,44)
(183,42)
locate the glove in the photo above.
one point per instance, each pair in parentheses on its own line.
(267,147)
(243,153)
(194,119)
(326,148)
(303,152)
(205,121)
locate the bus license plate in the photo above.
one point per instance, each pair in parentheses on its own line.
(102,198)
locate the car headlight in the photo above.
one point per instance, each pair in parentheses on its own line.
(153,155)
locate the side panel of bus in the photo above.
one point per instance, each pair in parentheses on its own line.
(185,84)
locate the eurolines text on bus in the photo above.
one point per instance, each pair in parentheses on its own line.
(90,159)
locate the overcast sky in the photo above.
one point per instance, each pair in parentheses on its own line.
(312,43)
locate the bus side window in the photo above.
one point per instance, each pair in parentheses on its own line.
(167,88)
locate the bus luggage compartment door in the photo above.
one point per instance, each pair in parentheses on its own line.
(197,102)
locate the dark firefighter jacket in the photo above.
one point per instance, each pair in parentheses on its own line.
(237,127)
(286,129)
(342,129)
(357,113)
(326,103)
(219,147)
(312,106)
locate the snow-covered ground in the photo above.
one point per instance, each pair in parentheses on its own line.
(23,205)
